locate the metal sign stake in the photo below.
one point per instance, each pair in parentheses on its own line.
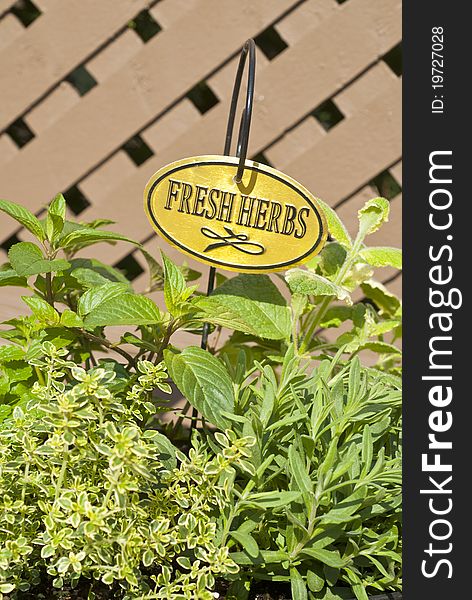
(249,50)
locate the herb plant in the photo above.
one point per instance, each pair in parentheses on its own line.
(294,474)
(87,492)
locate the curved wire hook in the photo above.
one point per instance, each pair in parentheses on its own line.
(249,49)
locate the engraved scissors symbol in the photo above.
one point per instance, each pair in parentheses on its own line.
(237,240)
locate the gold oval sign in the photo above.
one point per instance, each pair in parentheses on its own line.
(268,222)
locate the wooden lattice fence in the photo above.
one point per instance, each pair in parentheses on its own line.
(96,96)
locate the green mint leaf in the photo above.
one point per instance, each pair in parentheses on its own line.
(124,309)
(11,277)
(332,258)
(335,316)
(55,217)
(70,319)
(24,217)
(9,353)
(41,309)
(80,238)
(27,259)
(175,288)
(156,272)
(204,381)
(91,272)
(382,256)
(249,303)
(89,278)
(95,296)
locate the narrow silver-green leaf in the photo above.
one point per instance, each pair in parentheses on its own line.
(248,543)
(379,347)
(346,508)
(298,585)
(298,471)
(328,557)
(367,449)
(314,581)
(166,449)
(273,499)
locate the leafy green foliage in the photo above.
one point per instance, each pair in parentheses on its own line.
(24,217)
(295,474)
(342,268)
(9,277)
(319,503)
(88,493)
(335,226)
(124,309)
(249,303)
(382,257)
(97,295)
(306,282)
(27,259)
(373,215)
(80,238)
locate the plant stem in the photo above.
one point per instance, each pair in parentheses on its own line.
(327,301)
(295,334)
(217,338)
(62,474)
(39,375)
(49,294)
(23,494)
(165,341)
(107,344)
